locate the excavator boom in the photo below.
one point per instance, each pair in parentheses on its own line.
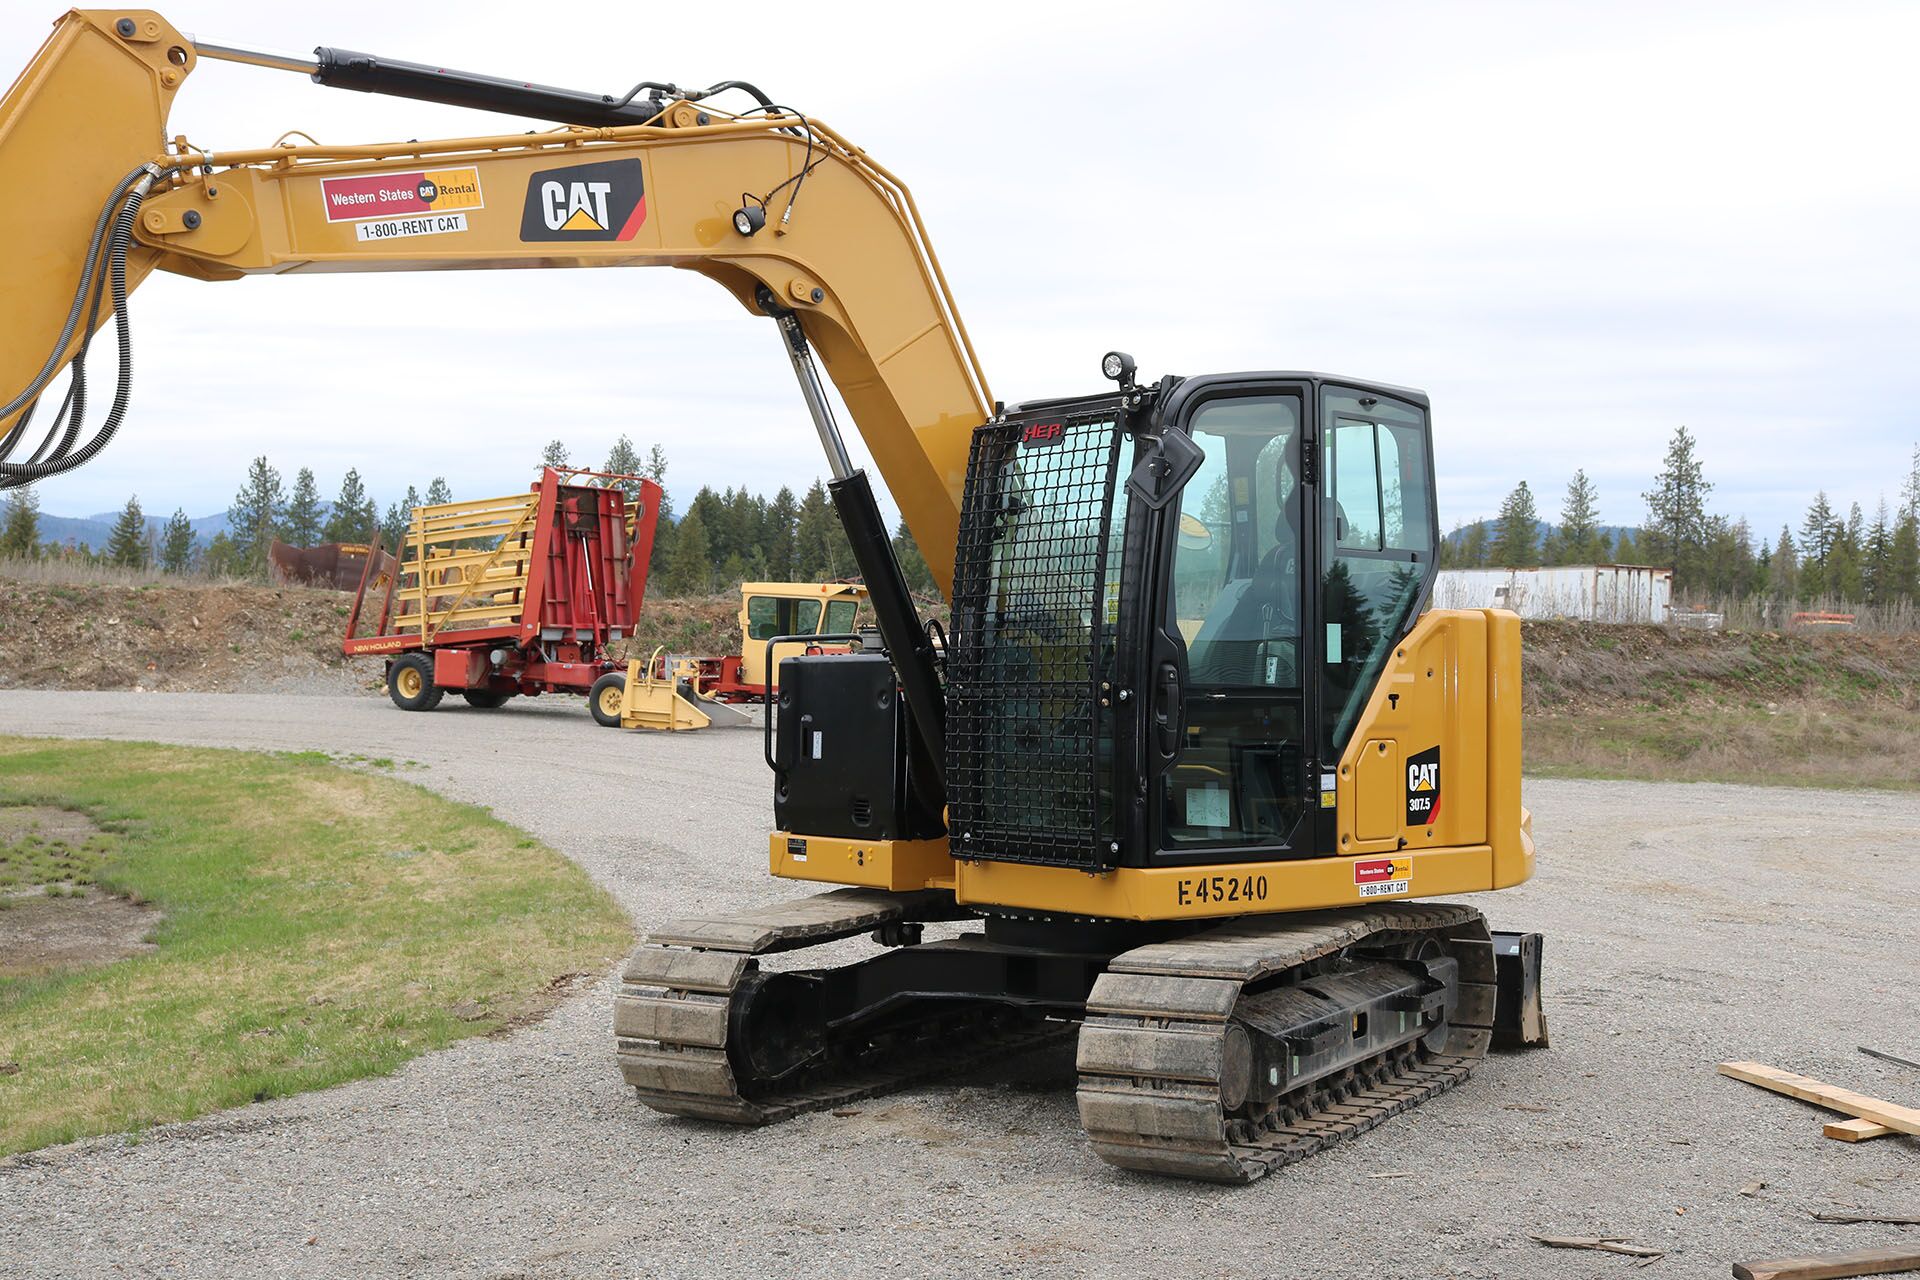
(834,243)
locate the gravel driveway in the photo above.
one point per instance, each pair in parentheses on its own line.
(1685,925)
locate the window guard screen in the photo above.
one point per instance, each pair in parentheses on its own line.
(1036,612)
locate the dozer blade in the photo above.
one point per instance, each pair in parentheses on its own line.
(719,714)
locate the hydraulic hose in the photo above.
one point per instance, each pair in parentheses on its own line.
(127,197)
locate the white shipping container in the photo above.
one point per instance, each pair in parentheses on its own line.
(1586,592)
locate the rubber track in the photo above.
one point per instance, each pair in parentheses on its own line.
(671,1017)
(1155,1040)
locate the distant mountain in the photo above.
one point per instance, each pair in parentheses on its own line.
(1541,529)
(94,530)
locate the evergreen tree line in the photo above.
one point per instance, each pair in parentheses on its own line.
(724,538)
(1835,556)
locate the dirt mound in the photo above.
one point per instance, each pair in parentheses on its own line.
(1573,666)
(708,626)
(182,637)
(1826,709)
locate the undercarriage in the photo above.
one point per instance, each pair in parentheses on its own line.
(1218,1051)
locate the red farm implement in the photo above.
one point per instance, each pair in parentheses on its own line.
(519,595)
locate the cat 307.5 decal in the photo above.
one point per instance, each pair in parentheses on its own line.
(1423,788)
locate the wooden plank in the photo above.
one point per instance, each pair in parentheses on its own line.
(1854,1130)
(1832,1266)
(1604,1244)
(1833,1098)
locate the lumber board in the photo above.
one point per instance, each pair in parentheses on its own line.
(1832,1097)
(1854,1130)
(1832,1266)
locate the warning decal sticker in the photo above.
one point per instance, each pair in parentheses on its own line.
(1423,788)
(1382,877)
(603,201)
(393,196)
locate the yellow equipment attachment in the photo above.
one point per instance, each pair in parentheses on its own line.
(652,702)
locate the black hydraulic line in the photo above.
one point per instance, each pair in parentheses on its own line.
(368,73)
(64,458)
(92,265)
(910,647)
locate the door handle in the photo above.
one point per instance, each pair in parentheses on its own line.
(1169,710)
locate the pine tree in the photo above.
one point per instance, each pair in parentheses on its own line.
(302,527)
(1877,558)
(665,532)
(1727,559)
(1515,530)
(624,460)
(20,535)
(1843,570)
(393,530)
(913,565)
(1473,547)
(222,560)
(747,523)
(714,524)
(1817,533)
(1910,490)
(1783,571)
(1903,567)
(1624,549)
(353,517)
(821,550)
(439,493)
(1578,541)
(1676,530)
(255,518)
(176,542)
(555,454)
(691,571)
(782,515)
(127,544)
(1761,576)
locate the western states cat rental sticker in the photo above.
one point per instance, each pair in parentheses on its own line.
(1382,877)
(392,206)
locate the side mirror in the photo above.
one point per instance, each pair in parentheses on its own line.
(1169,464)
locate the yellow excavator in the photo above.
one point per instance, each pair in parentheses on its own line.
(1188,765)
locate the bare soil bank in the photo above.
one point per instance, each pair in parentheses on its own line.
(1612,701)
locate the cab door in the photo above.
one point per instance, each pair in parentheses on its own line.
(1230,668)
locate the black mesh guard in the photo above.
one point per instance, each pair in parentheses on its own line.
(1035,610)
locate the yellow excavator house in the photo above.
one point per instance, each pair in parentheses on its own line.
(1192,761)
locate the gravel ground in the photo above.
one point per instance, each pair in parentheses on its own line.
(1685,925)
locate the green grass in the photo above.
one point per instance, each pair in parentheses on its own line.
(34,857)
(1799,745)
(320,924)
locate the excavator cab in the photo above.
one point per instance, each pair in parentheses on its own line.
(1154,674)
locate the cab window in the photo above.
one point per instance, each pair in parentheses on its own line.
(1379,534)
(770,616)
(840,615)
(1235,599)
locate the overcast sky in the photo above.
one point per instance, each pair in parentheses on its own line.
(1575,228)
